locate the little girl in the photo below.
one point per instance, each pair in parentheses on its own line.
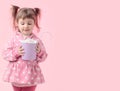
(24,75)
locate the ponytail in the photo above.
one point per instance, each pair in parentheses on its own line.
(37,11)
(38,14)
(14,13)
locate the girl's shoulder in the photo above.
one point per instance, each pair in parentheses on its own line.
(12,37)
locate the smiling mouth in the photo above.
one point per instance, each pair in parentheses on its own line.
(26,30)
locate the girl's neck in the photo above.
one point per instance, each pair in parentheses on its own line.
(25,36)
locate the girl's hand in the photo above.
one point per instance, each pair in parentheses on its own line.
(37,48)
(21,51)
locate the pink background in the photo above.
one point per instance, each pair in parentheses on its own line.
(82,40)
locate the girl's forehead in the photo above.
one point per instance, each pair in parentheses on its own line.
(26,19)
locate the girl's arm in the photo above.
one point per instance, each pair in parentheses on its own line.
(42,55)
(11,52)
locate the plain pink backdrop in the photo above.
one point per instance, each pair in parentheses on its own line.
(82,41)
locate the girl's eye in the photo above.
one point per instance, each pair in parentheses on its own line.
(22,23)
(29,23)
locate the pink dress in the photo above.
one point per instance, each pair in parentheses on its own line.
(21,72)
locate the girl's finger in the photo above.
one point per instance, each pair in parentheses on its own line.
(21,49)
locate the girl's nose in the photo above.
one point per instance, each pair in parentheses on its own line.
(26,25)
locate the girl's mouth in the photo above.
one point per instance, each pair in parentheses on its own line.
(26,30)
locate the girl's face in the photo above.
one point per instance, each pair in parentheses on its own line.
(25,26)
